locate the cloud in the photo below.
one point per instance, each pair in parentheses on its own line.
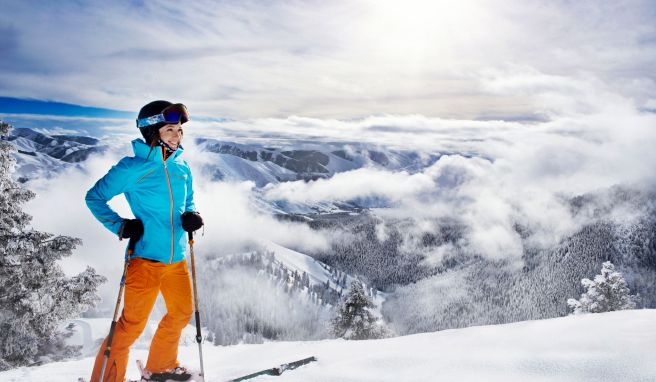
(361,183)
(520,173)
(233,222)
(57,131)
(338,59)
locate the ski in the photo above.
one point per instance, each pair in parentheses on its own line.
(278,370)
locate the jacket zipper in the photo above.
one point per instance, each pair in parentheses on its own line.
(145,175)
(168,180)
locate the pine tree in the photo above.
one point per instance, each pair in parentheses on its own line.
(354,320)
(607,292)
(306,280)
(35,295)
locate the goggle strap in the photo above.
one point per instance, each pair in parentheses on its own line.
(143,122)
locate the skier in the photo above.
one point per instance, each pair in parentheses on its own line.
(157,184)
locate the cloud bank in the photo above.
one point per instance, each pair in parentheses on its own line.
(338,59)
(518,174)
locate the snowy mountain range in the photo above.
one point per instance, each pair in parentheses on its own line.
(42,156)
(306,161)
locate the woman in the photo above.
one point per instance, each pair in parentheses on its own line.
(157,184)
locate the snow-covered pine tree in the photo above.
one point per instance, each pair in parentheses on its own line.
(607,292)
(35,295)
(354,320)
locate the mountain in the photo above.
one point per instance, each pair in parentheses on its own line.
(604,347)
(43,156)
(306,161)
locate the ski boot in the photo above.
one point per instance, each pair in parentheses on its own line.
(174,375)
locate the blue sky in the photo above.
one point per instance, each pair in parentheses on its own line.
(30,106)
(472,59)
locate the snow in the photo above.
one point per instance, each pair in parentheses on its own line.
(317,271)
(337,164)
(238,169)
(89,332)
(616,346)
(297,261)
(25,144)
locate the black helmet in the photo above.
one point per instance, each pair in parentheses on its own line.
(157,114)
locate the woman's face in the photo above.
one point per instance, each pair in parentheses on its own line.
(171,135)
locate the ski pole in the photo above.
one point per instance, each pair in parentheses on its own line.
(197,314)
(108,345)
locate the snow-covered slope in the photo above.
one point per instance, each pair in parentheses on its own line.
(318,272)
(42,156)
(617,346)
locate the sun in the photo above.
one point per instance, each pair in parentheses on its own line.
(419,33)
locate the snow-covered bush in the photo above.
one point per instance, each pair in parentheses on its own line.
(35,294)
(607,292)
(354,319)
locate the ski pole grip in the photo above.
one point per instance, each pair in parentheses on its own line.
(131,245)
(191,235)
(199,337)
(110,337)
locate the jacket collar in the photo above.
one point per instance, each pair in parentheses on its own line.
(142,150)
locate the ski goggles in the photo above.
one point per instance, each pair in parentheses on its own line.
(176,113)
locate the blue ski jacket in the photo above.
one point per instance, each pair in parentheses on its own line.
(158,192)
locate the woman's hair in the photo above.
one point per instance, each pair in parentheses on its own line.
(154,137)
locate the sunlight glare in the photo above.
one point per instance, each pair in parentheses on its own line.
(418,32)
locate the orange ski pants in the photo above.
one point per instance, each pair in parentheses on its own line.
(144,280)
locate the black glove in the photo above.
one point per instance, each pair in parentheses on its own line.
(131,229)
(191,221)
